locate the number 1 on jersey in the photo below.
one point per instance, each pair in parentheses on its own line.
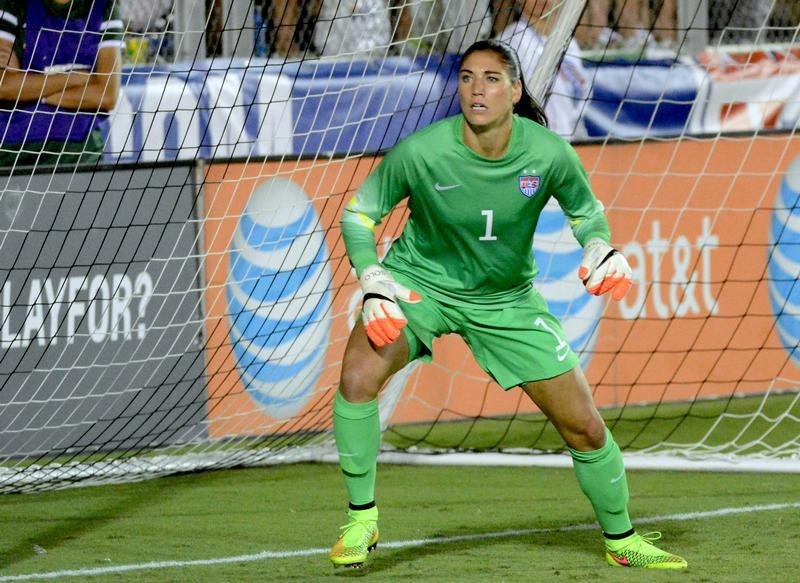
(487,236)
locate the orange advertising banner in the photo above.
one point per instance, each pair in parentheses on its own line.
(699,222)
(707,227)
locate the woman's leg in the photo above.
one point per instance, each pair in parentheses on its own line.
(567,402)
(356,425)
(357,429)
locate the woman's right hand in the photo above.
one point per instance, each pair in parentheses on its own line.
(383,320)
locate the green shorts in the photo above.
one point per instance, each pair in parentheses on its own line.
(514,345)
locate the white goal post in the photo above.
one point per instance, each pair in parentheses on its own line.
(184,304)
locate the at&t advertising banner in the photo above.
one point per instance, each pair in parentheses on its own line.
(710,228)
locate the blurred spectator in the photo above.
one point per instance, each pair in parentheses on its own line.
(615,24)
(214,25)
(284,16)
(145,15)
(738,21)
(466,22)
(347,27)
(59,79)
(504,12)
(570,85)
(785,21)
(664,16)
(147,24)
(289,27)
(450,26)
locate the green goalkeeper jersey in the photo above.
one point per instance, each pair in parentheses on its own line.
(468,239)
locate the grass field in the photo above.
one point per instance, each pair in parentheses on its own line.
(438,524)
(758,423)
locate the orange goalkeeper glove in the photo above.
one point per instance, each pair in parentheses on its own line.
(604,269)
(382,317)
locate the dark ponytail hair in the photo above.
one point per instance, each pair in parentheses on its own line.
(527,106)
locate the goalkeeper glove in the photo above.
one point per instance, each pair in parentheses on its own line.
(380,313)
(604,269)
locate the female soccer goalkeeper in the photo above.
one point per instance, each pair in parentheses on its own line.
(475,184)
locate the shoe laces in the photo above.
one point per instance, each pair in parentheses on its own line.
(648,538)
(651,537)
(641,552)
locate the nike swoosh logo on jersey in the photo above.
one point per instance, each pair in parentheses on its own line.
(443,187)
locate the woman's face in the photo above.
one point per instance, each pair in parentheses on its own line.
(485,90)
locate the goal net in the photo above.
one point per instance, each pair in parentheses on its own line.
(178,298)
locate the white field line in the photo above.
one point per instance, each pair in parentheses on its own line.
(268,555)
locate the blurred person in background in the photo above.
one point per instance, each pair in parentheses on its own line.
(144,15)
(365,27)
(59,78)
(504,12)
(284,16)
(288,27)
(149,21)
(465,23)
(615,24)
(785,21)
(738,21)
(664,16)
(450,26)
(570,86)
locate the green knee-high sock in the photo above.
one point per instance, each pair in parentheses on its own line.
(357,429)
(601,475)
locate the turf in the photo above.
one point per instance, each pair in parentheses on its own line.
(514,524)
(765,422)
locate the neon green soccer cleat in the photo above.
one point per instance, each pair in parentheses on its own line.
(359,537)
(638,550)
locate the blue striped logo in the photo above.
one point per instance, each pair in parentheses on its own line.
(279,298)
(784,261)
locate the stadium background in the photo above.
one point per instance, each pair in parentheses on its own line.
(230,136)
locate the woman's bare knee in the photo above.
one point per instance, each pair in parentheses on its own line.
(567,402)
(365,368)
(359,384)
(588,436)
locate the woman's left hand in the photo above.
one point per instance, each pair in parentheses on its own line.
(604,269)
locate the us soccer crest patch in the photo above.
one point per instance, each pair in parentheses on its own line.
(528,185)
